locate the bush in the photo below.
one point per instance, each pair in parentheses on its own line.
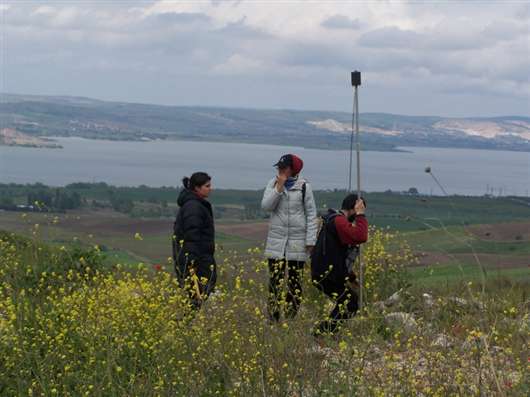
(385,258)
(23,261)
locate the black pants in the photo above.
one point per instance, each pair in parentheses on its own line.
(345,306)
(197,275)
(293,298)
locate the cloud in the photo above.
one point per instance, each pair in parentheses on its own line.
(240,30)
(177,18)
(341,22)
(238,64)
(523,12)
(504,30)
(390,37)
(294,51)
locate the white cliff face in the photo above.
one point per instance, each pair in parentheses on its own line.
(330,125)
(488,129)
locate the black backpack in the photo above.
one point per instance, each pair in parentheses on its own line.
(344,258)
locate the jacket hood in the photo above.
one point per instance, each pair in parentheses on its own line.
(185,196)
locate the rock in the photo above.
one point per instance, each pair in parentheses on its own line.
(466,304)
(402,320)
(458,301)
(496,349)
(320,350)
(428,300)
(443,341)
(379,305)
(393,299)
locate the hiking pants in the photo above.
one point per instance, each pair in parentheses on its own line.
(345,305)
(277,275)
(201,283)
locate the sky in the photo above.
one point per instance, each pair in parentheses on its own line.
(446,58)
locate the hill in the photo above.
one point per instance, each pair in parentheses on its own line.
(89,118)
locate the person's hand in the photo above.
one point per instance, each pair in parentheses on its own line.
(359,207)
(281,178)
(310,248)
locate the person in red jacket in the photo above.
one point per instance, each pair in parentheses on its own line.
(333,256)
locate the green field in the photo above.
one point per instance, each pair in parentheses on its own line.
(441,254)
(446,234)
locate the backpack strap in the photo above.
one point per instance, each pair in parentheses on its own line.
(303,193)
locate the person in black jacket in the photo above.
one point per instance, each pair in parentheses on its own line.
(194,239)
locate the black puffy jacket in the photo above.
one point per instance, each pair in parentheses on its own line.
(194,234)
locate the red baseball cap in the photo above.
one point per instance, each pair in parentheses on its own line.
(290,160)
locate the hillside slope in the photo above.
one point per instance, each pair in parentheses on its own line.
(85,117)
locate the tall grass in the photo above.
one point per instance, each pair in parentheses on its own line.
(70,326)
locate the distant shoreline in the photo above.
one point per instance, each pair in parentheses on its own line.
(397,149)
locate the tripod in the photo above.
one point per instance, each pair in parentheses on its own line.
(356,82)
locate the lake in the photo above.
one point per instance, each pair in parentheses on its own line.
(249,166)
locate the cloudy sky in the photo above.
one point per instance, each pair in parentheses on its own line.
(451,58)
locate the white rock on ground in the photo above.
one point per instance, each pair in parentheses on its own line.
(428,300)
(458,301)
(393,299)
(465,303)
(442,340)
(402,320)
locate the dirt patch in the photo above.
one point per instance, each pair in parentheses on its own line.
(111,224)
(492,261)
(250,231)
(502,232)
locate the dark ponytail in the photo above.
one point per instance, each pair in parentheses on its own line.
(198,179)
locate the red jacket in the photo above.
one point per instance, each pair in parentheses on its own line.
(352,234)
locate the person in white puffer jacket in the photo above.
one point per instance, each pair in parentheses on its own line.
(292,233)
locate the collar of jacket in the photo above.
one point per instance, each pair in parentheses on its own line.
(298,183)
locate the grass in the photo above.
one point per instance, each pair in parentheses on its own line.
(446,275)
(456,239)
(72,325)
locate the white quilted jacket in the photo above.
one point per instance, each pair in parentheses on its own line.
(293,223)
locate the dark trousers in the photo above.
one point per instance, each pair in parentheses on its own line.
(197,277)
(345,307)
(277,275)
